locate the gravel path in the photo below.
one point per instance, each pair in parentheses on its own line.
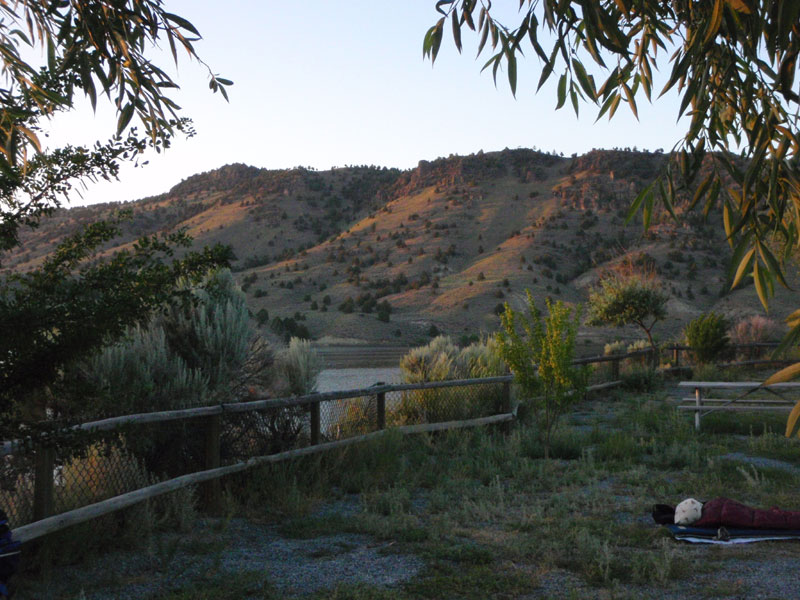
(773,576)
(292,566)
(758,461)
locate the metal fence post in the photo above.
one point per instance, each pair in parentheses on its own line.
(698,399)
(211,492)
(315,423)
(43,486)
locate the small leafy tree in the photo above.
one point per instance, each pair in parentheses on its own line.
(707,337)
(628,299)
(540,357)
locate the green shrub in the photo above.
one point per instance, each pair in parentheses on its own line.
(432,362)
(707,337)
(617,347)
(637,346)
(541,358)
(641,380)
(189,355)
(441,360)
(205,350)
(297,368)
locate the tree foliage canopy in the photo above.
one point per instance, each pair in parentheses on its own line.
(734,64)
(78,300)
(67,308)
(90,49)
(627,299)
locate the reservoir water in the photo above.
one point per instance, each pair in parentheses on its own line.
(334,380)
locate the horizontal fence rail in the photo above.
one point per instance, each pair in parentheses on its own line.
(55,523)
(45,489)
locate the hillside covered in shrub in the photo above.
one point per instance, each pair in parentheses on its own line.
(378,254)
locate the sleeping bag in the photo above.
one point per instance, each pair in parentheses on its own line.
(724,512)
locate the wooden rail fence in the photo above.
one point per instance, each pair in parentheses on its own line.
(45,522)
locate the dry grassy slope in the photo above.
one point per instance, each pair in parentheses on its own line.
(457,237)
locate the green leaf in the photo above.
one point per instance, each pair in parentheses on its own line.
(726,221)
(614,106)
(784,375)
(574,97)
(771,262)
(436,39)
(761,286)
(484,34)
(562,91)
(739,6)
(606,106)
(583,79)
(714,22)
(743,264)
(547,69)
(668,196)
(456,31)
(512,71)
(125,116)
(780,377)
(647,211)
(712,196)
(631,100)
(181,22)
(637,203)
(701,190)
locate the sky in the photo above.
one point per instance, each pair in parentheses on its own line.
(322,84)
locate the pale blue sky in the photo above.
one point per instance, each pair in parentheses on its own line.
(321,84)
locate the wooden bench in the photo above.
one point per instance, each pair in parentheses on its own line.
(702,405)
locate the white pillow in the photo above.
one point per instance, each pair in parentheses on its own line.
(688,511)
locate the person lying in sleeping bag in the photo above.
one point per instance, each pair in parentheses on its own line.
(724,512)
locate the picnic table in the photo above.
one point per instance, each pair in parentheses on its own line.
(702,404)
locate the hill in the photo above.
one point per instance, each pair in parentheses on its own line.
(443,244)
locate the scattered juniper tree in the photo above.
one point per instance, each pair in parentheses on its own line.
(707,336)
(628,298)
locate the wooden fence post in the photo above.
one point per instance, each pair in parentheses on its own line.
(43,486)
(676,356)
(506,396)
(507,405)
(315,423)
(615,369)
(211,492)
(381,408)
